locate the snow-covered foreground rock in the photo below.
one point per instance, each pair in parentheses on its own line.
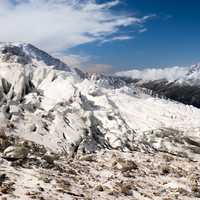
(71,114)
(104,175)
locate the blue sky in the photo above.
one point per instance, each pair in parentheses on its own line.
(172,37)
(107,35)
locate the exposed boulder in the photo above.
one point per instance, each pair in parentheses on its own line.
(4,141)
(50,157)
(15,152)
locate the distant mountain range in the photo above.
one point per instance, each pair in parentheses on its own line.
(177,83)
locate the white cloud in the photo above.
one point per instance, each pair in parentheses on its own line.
(122,37)
(117,38)
(142,30)
(98,68)
(55,25)
(74,60)
(85,63)
(170,73)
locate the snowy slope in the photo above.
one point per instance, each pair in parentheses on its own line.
(55,107)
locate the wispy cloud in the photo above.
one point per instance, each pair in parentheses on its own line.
(142,30)
(85,63)
(168,73)
(122,37)
(74,60)
(117,38)
(98,68)
(55,25)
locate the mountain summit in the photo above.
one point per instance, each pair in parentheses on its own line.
(24,53)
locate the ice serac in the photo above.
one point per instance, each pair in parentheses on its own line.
(45,101)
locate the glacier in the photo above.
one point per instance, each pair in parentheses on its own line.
(54,105)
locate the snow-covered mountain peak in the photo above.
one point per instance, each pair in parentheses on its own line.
(10,53)
(25,53)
